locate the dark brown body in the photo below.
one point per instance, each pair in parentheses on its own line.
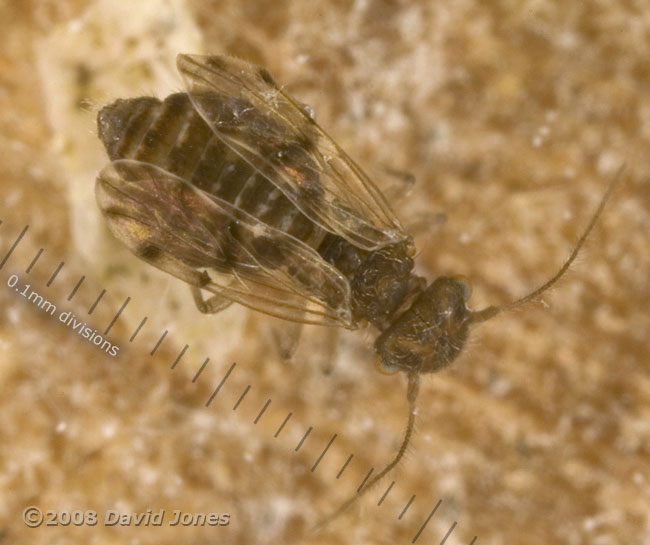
(236,177)
(173,136)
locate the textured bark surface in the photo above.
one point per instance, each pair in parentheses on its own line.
(512,116)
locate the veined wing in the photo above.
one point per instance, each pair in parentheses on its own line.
(280,138)
(209,243)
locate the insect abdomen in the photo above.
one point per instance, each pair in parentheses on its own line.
(174,137)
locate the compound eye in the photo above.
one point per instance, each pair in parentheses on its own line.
(383,368)
(464,284)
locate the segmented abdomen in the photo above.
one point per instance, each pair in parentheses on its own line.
(173,136)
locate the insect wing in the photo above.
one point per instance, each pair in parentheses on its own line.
(209,243)
(276,135)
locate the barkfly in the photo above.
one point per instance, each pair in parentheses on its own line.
(234,188)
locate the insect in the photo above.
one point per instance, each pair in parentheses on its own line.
(234,188)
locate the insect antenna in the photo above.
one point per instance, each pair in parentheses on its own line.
(491,311)
(475,317)
(411,396)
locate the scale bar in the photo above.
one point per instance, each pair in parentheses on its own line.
(427,522)
(126,302)
(241,397)
(220,384)
(406,508)
(92,309)
(74,290)
(54,274)
(365,479)
(138,329)
(198,373)
(345,465)
(178,358)
(390,486)
(162,338)
(13,247)
(282,425)
(38,254)
(303,439)
(323,453)
(257,419)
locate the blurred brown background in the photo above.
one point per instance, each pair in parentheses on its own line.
(513,116)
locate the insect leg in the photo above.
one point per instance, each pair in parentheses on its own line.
(286,337)
(401,186)
(426,223)
(214,304)
(331,351)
